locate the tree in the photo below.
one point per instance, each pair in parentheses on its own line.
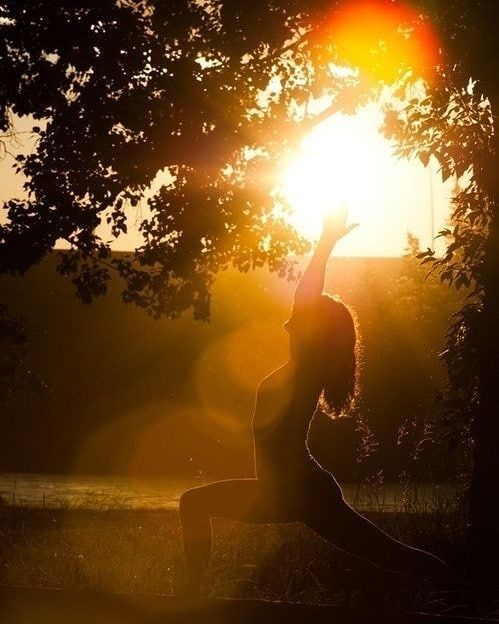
(211,93)
(200,91)
(455,121)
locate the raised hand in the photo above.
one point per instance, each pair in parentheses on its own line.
(312,282)
(335,225)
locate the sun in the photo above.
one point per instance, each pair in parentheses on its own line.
(339,163)
(343,162)
(346,162)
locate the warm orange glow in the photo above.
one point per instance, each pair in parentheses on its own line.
(345,161)
(243,357)
(383,39)
(341,163)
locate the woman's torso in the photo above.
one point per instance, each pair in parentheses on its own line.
(285,405)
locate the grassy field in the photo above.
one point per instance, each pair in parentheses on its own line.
(141,551)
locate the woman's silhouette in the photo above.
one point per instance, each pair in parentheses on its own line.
(289,485)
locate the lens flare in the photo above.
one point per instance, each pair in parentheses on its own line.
(244,357)
(384,39)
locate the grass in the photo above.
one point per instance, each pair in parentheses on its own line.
(141,551)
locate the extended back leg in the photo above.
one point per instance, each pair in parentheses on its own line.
(343,527)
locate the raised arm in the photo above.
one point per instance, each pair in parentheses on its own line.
(311,284)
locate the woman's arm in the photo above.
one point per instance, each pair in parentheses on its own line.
(311,284)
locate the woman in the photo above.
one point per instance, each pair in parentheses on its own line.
(289,485)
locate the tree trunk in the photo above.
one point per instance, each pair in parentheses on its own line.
(484,495)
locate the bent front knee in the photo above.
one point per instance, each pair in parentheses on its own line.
(189,507)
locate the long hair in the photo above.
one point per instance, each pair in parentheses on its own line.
(339,348)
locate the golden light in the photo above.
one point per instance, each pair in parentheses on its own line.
(342,162)
(346,161)
(382,38)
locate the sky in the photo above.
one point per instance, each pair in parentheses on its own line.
(345,161)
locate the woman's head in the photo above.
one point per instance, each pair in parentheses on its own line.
(323,338)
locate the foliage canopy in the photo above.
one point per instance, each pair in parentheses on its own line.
(201,91)
(210,94)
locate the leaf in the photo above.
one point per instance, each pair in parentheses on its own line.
(424,157)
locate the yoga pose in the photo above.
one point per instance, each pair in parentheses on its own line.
(289,484)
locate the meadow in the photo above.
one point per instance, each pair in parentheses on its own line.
(140,551)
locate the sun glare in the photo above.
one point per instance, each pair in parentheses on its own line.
(338,165)
(346,162)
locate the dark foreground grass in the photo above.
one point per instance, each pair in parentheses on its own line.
(141,552)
